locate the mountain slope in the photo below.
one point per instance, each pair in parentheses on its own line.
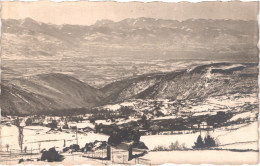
(198,83)
(47,92)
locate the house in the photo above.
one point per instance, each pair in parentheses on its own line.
(37,121)
(22,122)
(45,122)
(203,124)
(195,126)
(72,125)
(60,124)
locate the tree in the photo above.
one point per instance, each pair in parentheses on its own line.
(54,124)
(92,120)
(20,130)
(20,138)
(98,127)
(137,136)
(145,122)
(65,126)
(199,143)
(209,141)
(39,146)
(175,146)
(124,135)
(51,155)
(159,113)
(144,118)
(7,147)
(28,122)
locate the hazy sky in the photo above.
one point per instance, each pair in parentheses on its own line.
(84,12)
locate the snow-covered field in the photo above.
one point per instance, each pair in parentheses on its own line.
(157,158)
(241,137)
(242,115)
(151,141)
(202,157)
(35,136)
(245,137)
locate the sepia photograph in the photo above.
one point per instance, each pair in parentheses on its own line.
(127,83)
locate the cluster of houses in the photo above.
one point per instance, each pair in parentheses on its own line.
(48,121)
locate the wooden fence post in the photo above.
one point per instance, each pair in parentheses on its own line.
(108,152)
(130,153)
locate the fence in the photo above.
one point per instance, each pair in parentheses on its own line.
(119,156)
(142,161)
(12,156)
(114,155)
(102,153)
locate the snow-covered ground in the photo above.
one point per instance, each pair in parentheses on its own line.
(151,141)
(157,158)
(82,124)
(202,157)
(38,136)
(210,106)
(243,116)
(245,137)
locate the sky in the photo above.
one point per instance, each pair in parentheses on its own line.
(87,13)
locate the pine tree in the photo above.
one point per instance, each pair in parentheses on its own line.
(199,143)
(209,141)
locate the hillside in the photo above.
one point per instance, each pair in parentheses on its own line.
(47,92)
(201,82)
(58,91)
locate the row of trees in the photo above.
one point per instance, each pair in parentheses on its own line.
(208,142)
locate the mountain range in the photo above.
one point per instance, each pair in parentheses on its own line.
(193,38)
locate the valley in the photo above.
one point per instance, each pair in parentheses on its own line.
(125,92)
(182,88)
(167,108)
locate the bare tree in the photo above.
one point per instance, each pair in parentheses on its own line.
(39,145)
(7,147)
(20,137)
